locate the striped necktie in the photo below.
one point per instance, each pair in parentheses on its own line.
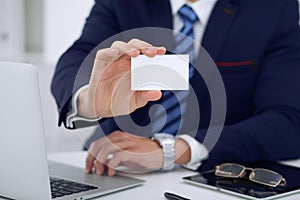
(173,106)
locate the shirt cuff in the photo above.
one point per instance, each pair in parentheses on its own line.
(72,115)
(198,152)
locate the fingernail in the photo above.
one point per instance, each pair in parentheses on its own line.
(149,49)
(161,48)
(133,50)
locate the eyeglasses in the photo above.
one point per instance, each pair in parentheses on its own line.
(258,175)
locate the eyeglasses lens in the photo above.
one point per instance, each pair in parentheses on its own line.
(265,177)
(229,170)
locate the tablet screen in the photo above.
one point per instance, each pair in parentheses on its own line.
(245,187)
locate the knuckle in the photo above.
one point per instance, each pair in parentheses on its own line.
(117,157)
(98,164)
(134,40)
(119,134)
(99,53)
(115,133)
(106,149)
(117,43)
(111,136)
(92,146)
(124,136)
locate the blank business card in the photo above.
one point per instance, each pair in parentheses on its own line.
(162,72)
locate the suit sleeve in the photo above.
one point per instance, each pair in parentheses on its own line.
(273,132)
(100,25)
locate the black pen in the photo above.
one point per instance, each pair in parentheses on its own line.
(172,196)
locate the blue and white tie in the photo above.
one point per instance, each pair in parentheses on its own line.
(176,106)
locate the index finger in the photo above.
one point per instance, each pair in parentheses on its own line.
(146,48)
(97,145)
(92,153)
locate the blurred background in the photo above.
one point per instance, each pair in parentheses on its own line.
(38,32)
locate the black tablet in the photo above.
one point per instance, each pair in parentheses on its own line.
(245,188)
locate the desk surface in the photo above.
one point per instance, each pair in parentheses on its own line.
(158,183)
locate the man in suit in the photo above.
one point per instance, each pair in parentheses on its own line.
(254,43)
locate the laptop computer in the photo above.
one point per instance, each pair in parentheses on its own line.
(24,170)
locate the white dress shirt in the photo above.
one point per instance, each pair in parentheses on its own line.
(203,9)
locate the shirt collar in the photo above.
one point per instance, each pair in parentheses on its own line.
(202,8)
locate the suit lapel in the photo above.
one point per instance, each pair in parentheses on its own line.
(218,25)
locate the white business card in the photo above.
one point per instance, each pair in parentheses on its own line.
(162,72)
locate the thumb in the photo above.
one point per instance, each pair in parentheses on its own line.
(141,98)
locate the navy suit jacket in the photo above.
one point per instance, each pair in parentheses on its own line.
(263,95)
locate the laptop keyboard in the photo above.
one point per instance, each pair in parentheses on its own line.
(61,187)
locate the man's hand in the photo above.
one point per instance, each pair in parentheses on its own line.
(109,92)
(131,151)
(127,150)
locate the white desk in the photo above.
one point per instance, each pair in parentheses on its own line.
(157,183)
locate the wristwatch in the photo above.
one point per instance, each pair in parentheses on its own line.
(167,142)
